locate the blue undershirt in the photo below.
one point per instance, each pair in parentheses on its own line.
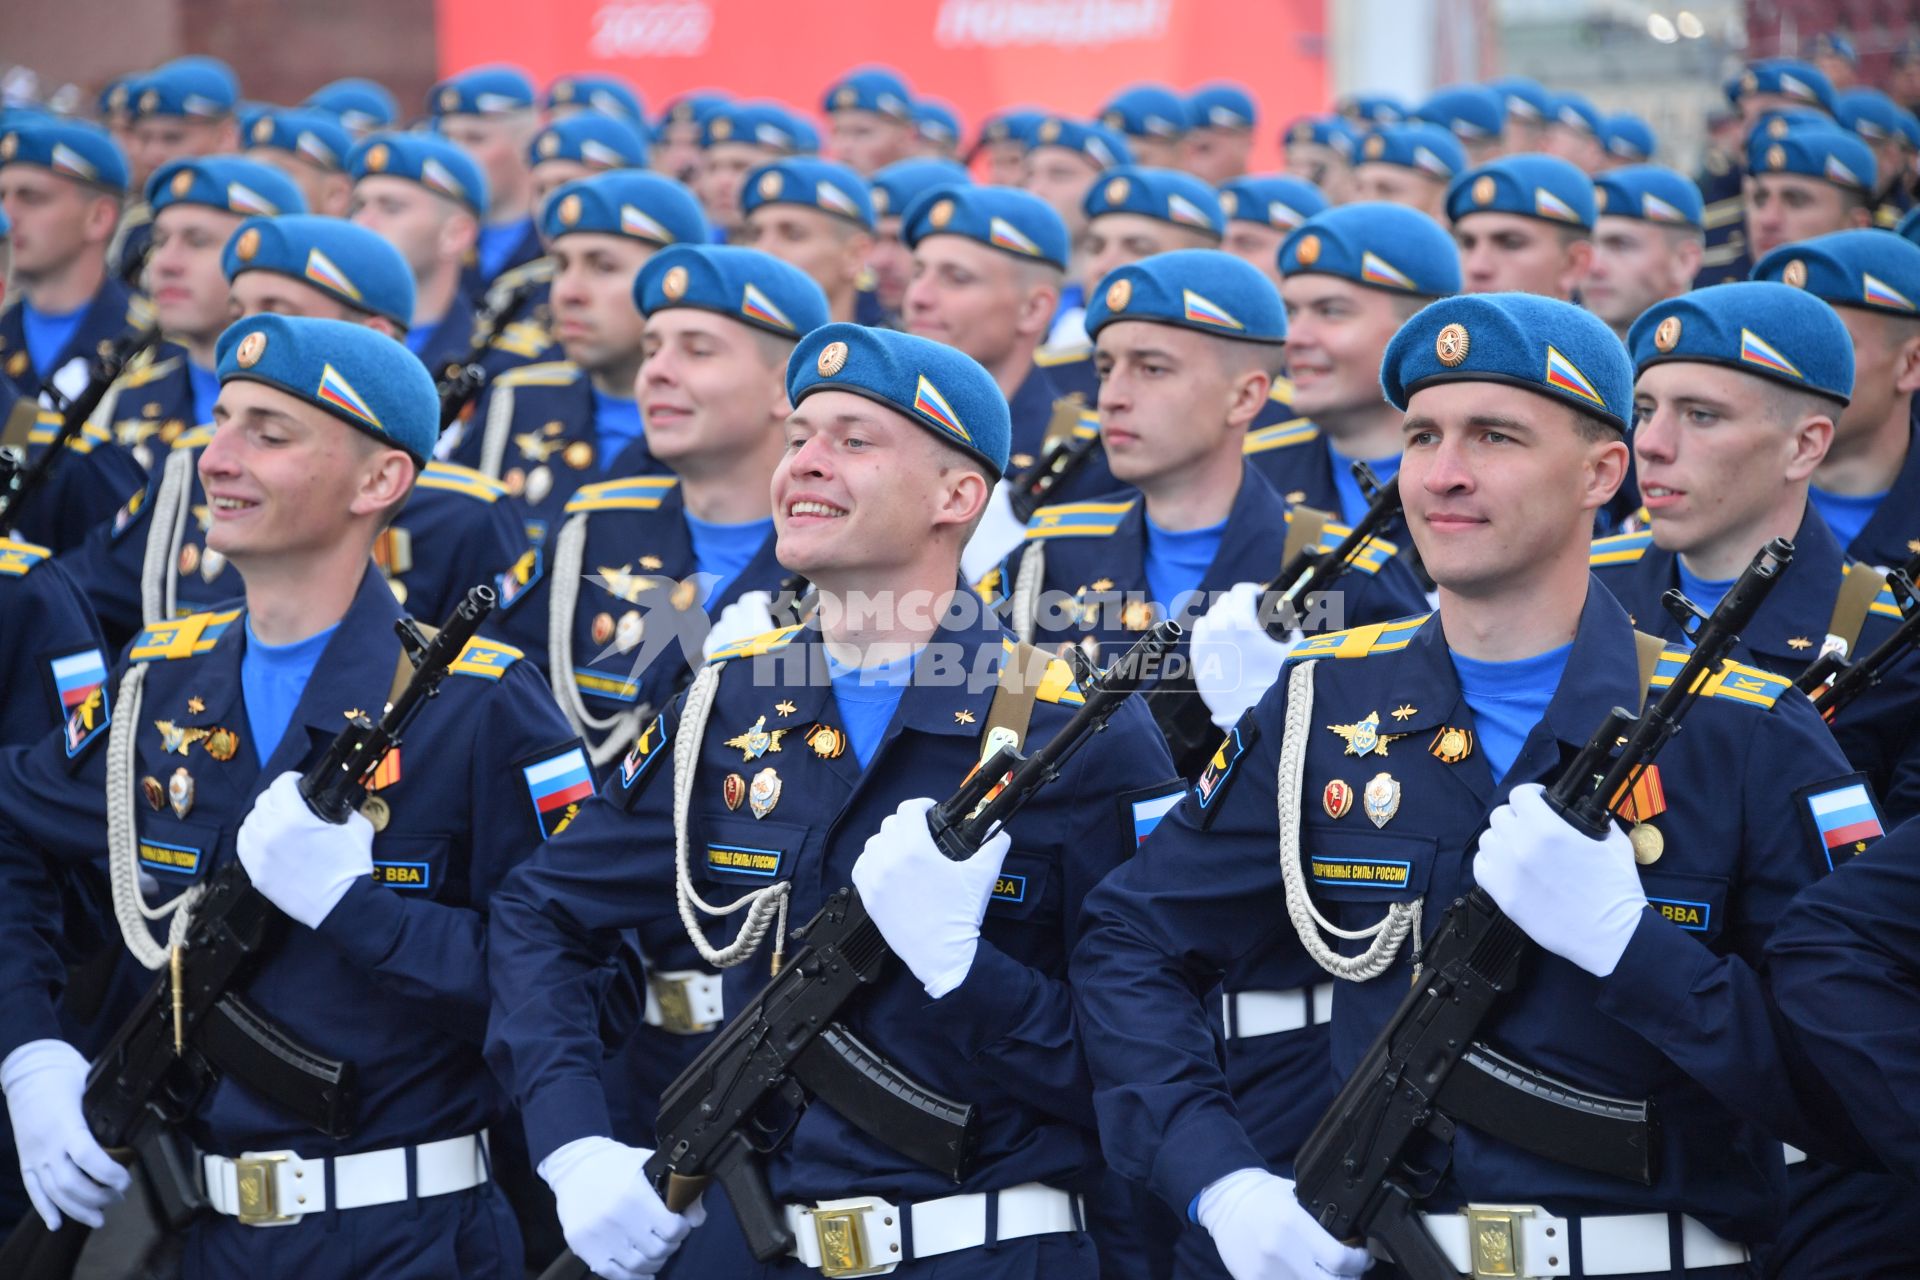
(272,678)
(1845,513)
(867,697)
(1508,699)
(497,243)
(205,384)
(723,550)
(1704,592)
(48,333)
(1353,503)
(419,335)
(1177,560)
(616,424)
(1073,297)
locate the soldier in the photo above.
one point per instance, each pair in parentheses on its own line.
(310,148)
(1575,133)
(735,139)
(1136,212)
(611,96)
(361,106)
(1808,179)
(1065,158)
(1320,150)
(1263,211)
(1475,115)
(891,452)
(1528,105)
(869,119)
(179,111)
(1154,120)
(1888,130)
(894,189)
(489,114)
(1647,242)
(1005,138)
(1524,225)
(320,429)
(818,215)
(1515,410)
(1409,164)
(1370,109)
(1834,54)
(1628,140)
(936,132)
(678,136)
(1221,139)
(1769,85)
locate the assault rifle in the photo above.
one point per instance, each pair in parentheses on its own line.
(462,381)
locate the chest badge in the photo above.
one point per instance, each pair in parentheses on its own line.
(180,792)
(1648,843)
(1365,738)
(827,742)
(733,790)
(1451,745)
(1381,799)
(154,793)
(1405,711)
(223,744)
(175,739)
(764,793)
(757,741)
(1337,799)
(785,707)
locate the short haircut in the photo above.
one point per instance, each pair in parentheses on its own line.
(1787,406)
(1238,355)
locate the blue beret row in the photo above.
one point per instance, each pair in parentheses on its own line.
(1325,131)
(1003,218)
(762,124)
(816,184)
(1787,77)
(1373,108)
(483,91)
(240,186)
(1383,246)
(1525,99)
(1273,201)
(870,89)
(1472,113)
(1204,290)
(930,383)
(747,285)
(1532,186)
(1821,151)
(625,202)
(1422,146)
(312,135)
(1165,194)
(1770,330)
(1649,193)
(1105,147)
(1575,112)
(691,108)
(609,95)
(1862,268)
(591,138)
(425,158)
(360,376)
(1221,106)
(360,105)
(70,148)
(936,122)
(899,184)
(1876,117)
(194,89)
(1628,137)
(1017,125)
(342,260)
(1147,111)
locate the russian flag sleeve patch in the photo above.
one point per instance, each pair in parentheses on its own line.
(558,786)
(1843,816)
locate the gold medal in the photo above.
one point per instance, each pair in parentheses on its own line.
(827,742)
(223,744)
(578,455)
(1451,745)
(1648,843)
(1136,615)
(189,559)
(377,812)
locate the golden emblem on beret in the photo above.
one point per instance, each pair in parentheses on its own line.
(377,157)
(117,100)
(449,99)
(1795,274)
(1749,82)
(1776,156)
(1049,131)
(1117,191)
(149,100)
(1777,128)
(1484,189)
(1114,120)
(569,211)
(721,129)
(1229,203)
(1307,252)
(1667,336)
(251,348)
(1375,148)
(846,96)
(1119,293)
(1451,345)
(9,145)
(941,214)
(247,245)
(182,182)
(263,130)
(769,185)
(1302,132)
(549,144)
(879,202)
(674,283)
(833,358)
(1600,199)
(563,92)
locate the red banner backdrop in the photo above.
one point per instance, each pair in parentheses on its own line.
(978,55)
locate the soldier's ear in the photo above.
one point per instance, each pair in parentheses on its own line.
(1906,361)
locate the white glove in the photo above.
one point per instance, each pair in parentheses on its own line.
(1235,661)
(65,1169)
(302,863)
(1262,1233)
(927,906)
(1579,898)
(610,1214)
(749,616)
(995,538)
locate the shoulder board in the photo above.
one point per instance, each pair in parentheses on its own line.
(184,637)
(1282,391)
(507,281)
(1088,426)
(484,658)
(1622,548)
(17,557)
(1078,519)
(550,373)
(636,493)
(1373,554)
(523,338)
(767,642)
(47,426)
(1054,357)
(140,312)
(152,371)
(136,213)
(1734,680)
(451,478)
(1360,642)
(1281,435)
(198,438)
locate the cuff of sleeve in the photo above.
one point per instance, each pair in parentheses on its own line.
(562,1112)
(27,1015)
(988,1000)
(365,924)
(1660,965)
(1202,1149)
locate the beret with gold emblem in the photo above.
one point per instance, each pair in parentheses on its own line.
(314,136)
(1271,200)
(1419,145)
(758,124)
(1865,268)
(71,148)
(690,108)
(742,284)
(1222,106)
(360,105)
(1004,218)
(1531,186)
(870,89)
(1372,108)
(1649,193)
(1627,137)
(1813,149)
(1167,195)
(1380,245)
(898,185)
(1524,99)
(825,185)
(1103,146)
(359,375)
(1016,124)
(424,158)
(1147,111)
(625,202)
(1470,112)
(343,260)
(1335,132)
(192,88)
(1772,331)
(1789,78)
(236,185)
(609,95)
(936,122)
(482,91)
(591,138)
(1205,290)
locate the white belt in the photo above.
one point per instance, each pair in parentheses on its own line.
(1524,1240)
(684,1001)
(863,1236)
(277,1188)
(1248,1014)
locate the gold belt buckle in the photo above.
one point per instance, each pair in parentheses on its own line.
(1493,1240)
(676,1006)
(259,1191)
(842,1236)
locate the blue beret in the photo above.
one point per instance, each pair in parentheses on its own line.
(362,377)
(625,202)
(1105,147)
(899,184)
(760,124)
(1221,106)
(1423,147)
(1471,112)
(1532,186)
(71,148)
(609,95)
(208,66)
(190,89)
(1325,131)
(741,284)
(425,158)
(1016,125)
(239,186)
(1769,330)
(361,105)
(1910,126)
(1147,111)
(483,91)
(1832,42)
(1788,77)
(1275,201)
(1204,290)
(1860,268)
(342,260)
(313,135)
(1869,113)
(1520,339)
(114,99)
(1374,108)
(1823,151)
(934,385)
(1650,193)
(1166,194)
(1004,218)
(1909,226)
(1628,137)
(936,122)
(1385,246)
(825,185)
(590,138)
(870,89)
(1775,121)
(1524,99)
(1575,112)
(691,108)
